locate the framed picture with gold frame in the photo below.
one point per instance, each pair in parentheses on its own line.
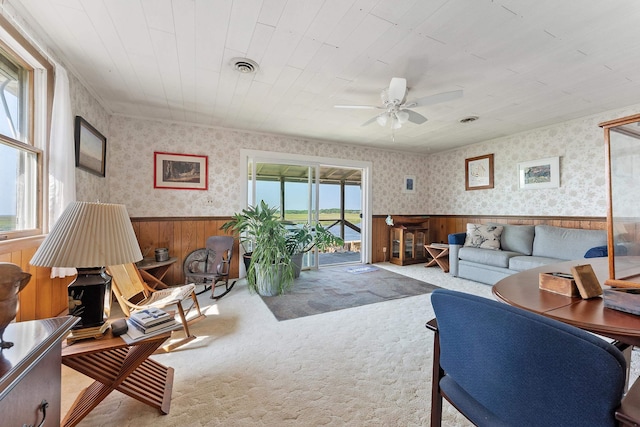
(478,172)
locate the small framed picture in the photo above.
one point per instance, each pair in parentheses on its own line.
(541,173)
(180,171)
(91,148)
(409,184)
(478,172)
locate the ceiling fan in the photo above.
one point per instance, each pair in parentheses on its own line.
(397,109)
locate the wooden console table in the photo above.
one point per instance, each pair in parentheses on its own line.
(118,366)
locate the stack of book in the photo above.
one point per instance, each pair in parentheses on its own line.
(147,323)
(151,320)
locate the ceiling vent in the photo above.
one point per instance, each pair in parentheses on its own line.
(244,65)
(469,119)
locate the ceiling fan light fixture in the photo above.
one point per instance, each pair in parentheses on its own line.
(403,117)
(396,124)
(244,65)
(382,120)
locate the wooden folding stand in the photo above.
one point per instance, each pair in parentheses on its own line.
(118,366)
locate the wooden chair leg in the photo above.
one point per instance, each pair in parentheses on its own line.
(437,373)
(194,297)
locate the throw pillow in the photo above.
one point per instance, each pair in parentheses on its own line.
(483,236)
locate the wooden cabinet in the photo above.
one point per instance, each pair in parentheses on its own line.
(407,243)
(30,371)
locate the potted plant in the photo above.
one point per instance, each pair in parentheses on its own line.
(270,270)
(301,239)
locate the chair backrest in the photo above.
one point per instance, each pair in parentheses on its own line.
(522,368)
(220,250)
(126,283)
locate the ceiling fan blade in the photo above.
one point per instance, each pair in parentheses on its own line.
(360,107)
(434,99)
(397,89)
(416,118)
(371,120)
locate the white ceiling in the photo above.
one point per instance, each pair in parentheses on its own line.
(522,64)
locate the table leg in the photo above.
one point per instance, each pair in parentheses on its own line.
(125,369)
(439,257)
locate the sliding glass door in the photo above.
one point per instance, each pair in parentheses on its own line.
(311,190)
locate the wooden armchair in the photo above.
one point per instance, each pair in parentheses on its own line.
(134,294)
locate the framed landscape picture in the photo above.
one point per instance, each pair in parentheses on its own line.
(479,172)
(180,171)
(541,173)
(91,148)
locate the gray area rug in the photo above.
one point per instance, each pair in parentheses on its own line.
(336,288)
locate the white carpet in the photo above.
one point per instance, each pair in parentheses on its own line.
(363,366)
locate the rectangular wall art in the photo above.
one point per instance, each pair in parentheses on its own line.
(91,148)
(180,171)
(479,172)
(541,173)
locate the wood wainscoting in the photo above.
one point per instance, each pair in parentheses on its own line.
(440,226)
(45,297)
(180,236)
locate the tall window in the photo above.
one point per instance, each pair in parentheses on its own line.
(24,113)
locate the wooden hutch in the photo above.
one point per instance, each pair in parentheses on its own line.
(408,235)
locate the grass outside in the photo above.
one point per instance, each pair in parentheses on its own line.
(7,222)
(352,217)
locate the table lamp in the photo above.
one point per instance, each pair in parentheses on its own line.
(89,237)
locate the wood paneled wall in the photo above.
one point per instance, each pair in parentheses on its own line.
(440,226)
(180,236)
(45,297)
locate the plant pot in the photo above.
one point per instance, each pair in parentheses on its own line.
(268,284)
(296,260)
(246,258)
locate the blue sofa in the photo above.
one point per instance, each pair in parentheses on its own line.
(523,247)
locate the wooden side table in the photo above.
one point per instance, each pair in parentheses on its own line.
(153,271)
(440,255)
(118,366)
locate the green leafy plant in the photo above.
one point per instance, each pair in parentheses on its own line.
(270,271)
(302,239)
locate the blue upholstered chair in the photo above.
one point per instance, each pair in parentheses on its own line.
(503,366)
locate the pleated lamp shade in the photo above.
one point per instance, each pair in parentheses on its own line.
(89,235)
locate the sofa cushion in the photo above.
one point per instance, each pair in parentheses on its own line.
(522,263)
(483,236)
(483,256)
(517,238)
(566,243)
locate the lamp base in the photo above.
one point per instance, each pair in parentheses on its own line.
(90,297)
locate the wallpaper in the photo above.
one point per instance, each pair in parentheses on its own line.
(439,177)
(580,146)
(132,143)
(90,187)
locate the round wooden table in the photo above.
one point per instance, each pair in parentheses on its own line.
(521,290)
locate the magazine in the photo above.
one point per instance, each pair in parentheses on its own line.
(150,316)
(146,329)
(134,335)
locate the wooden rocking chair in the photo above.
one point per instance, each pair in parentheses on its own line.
(134,294)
